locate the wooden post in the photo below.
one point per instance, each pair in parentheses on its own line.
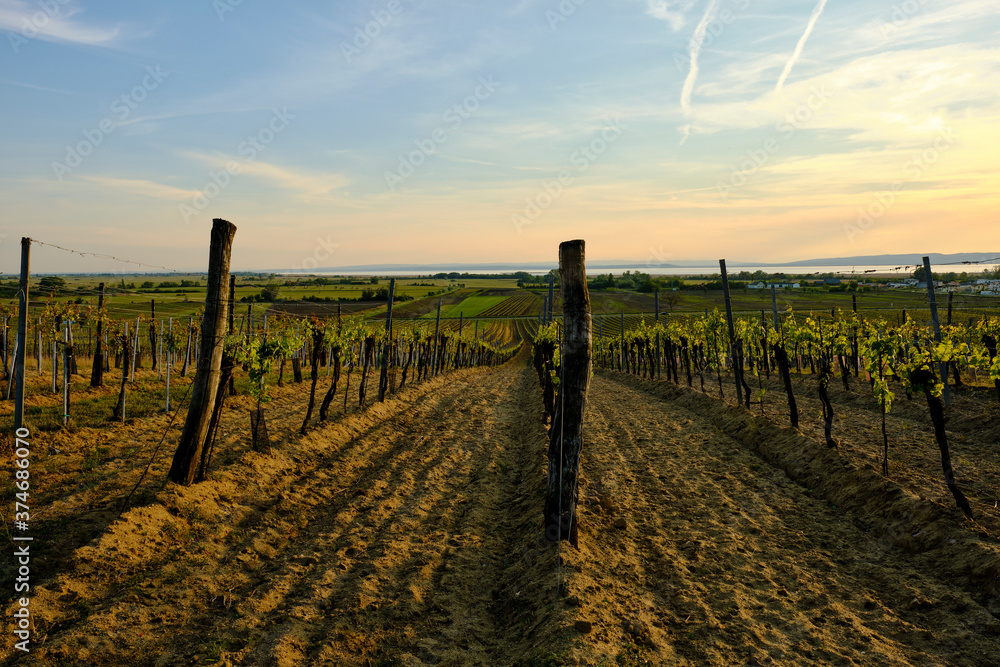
(656,320)
(187,353)
(67,351)
(136,355)
(437,330)
(22,330)
(942,367)
(119,409)
(159,354)
(621,347)
(97,371)
(774,306)
(232,302)
(207,375)
(170,360)
(950,297)
(548,311)
(566,435)
(6,357)
(737,366)
(383,380)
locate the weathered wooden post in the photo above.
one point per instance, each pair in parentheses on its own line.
(774,307)
(97,371)
(942,366)
(6,357)
(170,360)
(22,329)
(207,374)
(38,348)
(548,308)
(621,346)
(67,365)
(437,331)
(737,361)
(383,379)
(566,435)
(656,321)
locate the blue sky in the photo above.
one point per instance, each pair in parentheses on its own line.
(401,131)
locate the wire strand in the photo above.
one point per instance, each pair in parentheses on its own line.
(99,255)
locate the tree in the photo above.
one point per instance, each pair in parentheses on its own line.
(147,285)
(52,283)
(671,299)
(270,292)
(922,277)
(374,280)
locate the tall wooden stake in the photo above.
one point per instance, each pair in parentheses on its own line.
(548,311)
(383,380)
(737,366)
(942,367)
(97,371)
(566,435)
(67,351)
(207,375)
(774,306)
(437,331)
(22,329)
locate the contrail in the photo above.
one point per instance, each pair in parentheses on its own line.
(696,40)
(801,45)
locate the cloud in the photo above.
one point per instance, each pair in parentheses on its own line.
(305,182)
(671,11)
(817,10)
(55,24)
(142,187)
(696,41)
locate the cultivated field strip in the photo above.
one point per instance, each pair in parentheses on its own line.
(409,531)
(726,561)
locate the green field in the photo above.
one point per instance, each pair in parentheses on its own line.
(469,298)
(469,307)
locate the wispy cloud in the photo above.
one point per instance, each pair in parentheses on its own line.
(298,180)
(142,187)
(55,24)
(696,41)
(817,10)
(305,182)
(671,11)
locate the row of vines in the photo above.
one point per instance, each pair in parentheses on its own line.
(263,350)
(885,358)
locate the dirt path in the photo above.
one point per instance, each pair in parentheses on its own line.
(409,533)
(725,561)
(401,535)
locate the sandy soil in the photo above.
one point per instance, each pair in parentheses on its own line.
(409,533)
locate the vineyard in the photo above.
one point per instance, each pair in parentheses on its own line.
(374,486)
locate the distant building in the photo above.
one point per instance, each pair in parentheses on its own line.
(757,285)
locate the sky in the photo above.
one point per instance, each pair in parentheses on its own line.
(437,131)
